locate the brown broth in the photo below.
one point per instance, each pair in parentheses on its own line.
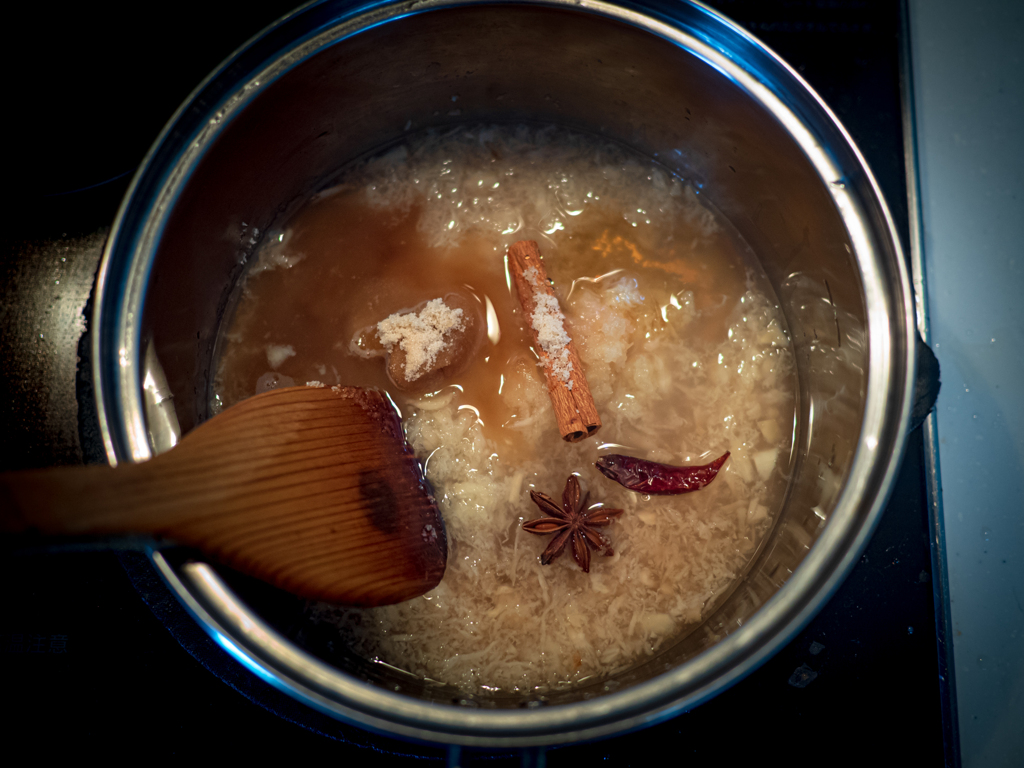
(358,267)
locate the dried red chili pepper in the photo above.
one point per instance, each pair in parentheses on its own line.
(661,479)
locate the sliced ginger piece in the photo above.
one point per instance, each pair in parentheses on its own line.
(431,343)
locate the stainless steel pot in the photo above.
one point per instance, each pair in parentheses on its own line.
(338,79)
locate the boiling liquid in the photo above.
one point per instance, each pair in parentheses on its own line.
(685,353)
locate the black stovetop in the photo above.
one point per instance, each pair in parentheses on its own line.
(94,652)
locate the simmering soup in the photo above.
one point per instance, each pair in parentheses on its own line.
(685,352)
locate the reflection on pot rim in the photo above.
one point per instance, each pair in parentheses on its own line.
(821,181)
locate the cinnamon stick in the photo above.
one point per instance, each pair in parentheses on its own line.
(563,371)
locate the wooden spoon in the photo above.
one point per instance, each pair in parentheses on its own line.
(312,490)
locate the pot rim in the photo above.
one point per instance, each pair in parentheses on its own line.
(120,291)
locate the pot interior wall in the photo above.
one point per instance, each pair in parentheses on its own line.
(513,64)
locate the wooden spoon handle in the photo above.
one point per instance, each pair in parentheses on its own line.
(72,500)
(262,456)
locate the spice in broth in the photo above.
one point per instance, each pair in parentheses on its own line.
(686,355)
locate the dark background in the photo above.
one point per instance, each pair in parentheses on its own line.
(94,653)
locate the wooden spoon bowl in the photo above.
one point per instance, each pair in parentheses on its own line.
(313,490)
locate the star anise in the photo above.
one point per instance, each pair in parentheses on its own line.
(571,522)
